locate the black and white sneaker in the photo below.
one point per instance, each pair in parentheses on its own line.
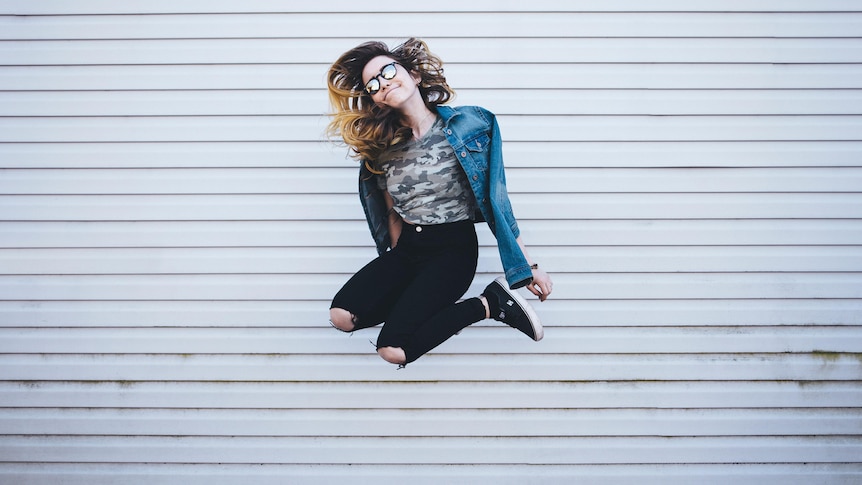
(509,307)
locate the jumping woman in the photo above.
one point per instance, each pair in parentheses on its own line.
(428,173)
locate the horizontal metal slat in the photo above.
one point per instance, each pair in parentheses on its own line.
(436,450)
(440,23)
(354,233)
(680,154)
(612,286)
(600,75)
(431,422)
(515,128)
(431,395)
(160,103)
(313,313)
(179,155)
(341,260)
(484,75)
(517,154)
(262,474)
(451,49)
(563,208)
(847,179)
(54,7)
(492,338)
(365,365)
(668,102)
(344,180)
(502,102)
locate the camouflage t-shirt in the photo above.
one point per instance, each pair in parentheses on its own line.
(426,180)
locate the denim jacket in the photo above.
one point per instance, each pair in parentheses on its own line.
(474,135)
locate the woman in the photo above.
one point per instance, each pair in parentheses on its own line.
(428,173)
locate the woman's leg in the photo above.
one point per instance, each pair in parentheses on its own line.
(367,297)
(426,313)
(442,326)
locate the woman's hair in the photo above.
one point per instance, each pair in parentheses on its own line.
(367,128)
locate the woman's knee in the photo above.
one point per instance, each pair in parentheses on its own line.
(341,319)
(393,355)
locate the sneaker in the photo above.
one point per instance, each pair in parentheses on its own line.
(512,309)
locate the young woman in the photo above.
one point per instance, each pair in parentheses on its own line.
(428,173)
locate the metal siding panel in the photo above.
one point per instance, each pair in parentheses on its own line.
(523,154)
(491,339)
(567,49)
(341,260)
(363,364)
(59,7)
(689,172)
(306,313)
(261,474)
(313,102)
(436,24)
(562,207)
(353,232)
(437,450)
(322,287)
(455,395)
(431,422)
(478,76)
(241,181)
(525,128)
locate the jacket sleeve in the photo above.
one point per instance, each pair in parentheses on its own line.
(505,226)
(374,205)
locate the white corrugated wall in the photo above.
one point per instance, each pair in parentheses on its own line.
(172,227)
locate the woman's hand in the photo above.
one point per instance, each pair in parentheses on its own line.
(541,286)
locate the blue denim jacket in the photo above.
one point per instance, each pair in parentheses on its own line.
(474,135)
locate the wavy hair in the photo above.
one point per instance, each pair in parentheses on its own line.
(367,128)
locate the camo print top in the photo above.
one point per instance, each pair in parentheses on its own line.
(426,181)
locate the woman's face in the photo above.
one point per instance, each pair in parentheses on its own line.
(394,92)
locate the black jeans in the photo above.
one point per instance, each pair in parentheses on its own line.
(414,288)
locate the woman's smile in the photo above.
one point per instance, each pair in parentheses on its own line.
(389,90)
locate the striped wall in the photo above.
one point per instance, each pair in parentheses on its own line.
(173,225)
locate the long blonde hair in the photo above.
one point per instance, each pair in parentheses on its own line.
(367,128)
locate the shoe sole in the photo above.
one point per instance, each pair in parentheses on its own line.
(538,330)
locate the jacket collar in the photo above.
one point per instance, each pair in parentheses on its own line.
(447,113)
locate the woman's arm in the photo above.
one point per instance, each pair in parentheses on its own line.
(394,220)
(541,286)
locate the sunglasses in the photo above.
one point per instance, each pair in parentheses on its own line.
(388,72)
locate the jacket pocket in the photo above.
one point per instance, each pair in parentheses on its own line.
(479,148)
(479,143)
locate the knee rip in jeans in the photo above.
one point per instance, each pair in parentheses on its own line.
(393,355)
(341,319)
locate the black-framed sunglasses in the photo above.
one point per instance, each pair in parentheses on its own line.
(387,72)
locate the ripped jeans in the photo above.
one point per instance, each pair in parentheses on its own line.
(413,290)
